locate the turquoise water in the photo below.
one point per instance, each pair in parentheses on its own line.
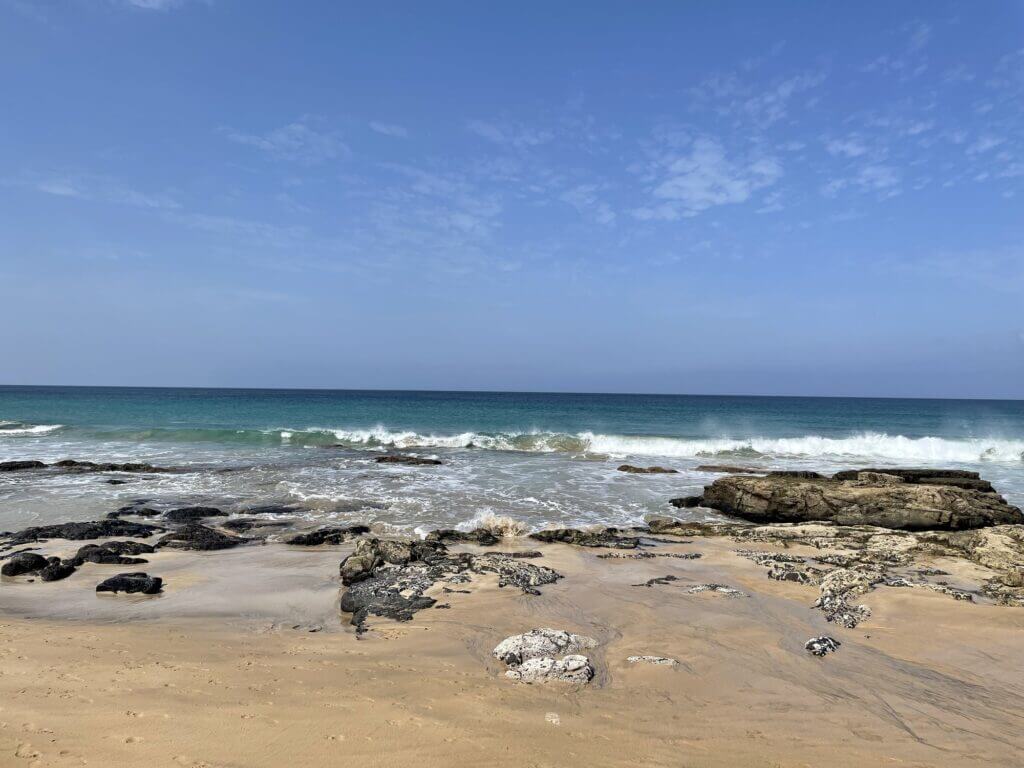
(542,458)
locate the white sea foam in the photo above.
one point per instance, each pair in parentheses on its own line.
(17,429)
(867,445)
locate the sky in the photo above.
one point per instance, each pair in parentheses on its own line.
(728,198)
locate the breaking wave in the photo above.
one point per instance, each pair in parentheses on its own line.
(866,445)
(21,429)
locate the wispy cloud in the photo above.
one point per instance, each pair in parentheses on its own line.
(389,129)
(509,134)
(92,187)
(297,141)
(705,177)
(585,198)
(850,146)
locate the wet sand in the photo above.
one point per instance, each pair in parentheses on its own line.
(223,670)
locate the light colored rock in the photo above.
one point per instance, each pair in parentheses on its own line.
(659,660)
(539,643)
(570,669)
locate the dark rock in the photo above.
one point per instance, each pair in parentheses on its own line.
(242,524)
(99,529)
(729,469)
(480,536)
(687,502)
(17,466)
(605,538)
(56,569)
(405,459)
(804,474)
(198,537)
(115,481)
(530,554)
(959,478)
(23,562)
(389,578)
(647,470)
(92,466)
(862,501)
(133,510)
(113,553)
(272,509)
(192,514)
(132,582)
(329,535)
(658,581)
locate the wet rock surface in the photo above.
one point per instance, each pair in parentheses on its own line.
(389,578)
(415,461)
(98,529)
(480,536)
(18,466)
(660,661)
(113,553)
(23,562)
(633,470)
(329,535)
(686,502)
(132,583)
(864,498)
(192,514)
(197,537)
(608,537)
(546,655)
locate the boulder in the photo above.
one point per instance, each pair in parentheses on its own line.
(600,538)
(17,466)
(532,657)
(113,553)
(23,562)
(56,569)
(686,502)
(480,536)
(647,470)
(131,582)
(198,537)
(909,505)
(192,514)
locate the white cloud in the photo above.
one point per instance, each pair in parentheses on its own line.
(851,146)
(984,144)
(296,141)
(153,5)
(584,198)
(508,134)
(93,187)
(706,177)
(389,129)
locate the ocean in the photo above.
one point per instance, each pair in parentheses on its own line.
(542,459)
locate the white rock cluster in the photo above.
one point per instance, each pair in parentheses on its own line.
(545,655)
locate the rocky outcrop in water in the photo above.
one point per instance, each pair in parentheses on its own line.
(192,514)
(629,468)
(480,536)
(389,578)
(200,538)
(18,466)
(931,500)
(686,502)
(113,553)
(546,655)
(132,583)
(329,535)
(607,537)
(401,458)
(98,529)
(46,568)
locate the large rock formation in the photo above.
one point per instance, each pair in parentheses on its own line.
(912,500)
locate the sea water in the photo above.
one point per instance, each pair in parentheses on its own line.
(542,459)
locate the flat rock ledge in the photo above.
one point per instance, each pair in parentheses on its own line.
(546,655)
(901,499)
(389,578)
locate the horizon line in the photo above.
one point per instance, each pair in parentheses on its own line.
(502,392)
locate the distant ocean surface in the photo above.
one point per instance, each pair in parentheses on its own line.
(540,458)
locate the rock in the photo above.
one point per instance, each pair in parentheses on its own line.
(198,537)
(131,582)
(910,505)
(23,562)
(329,535)
(415,461)
(99,529)
(56,569)
(113,553)
(243,524)
(133,510)
(570,669)
(480,536)
(820,646)
(115,481)
(531,657)
(647,470)
(721,589)
(802,474)
(389,578)
(600,538)
(729,469)
(92,466)
(273,509)
(656,660)
(192,514)
(17,466)
(958,478)
(687,502)
(538,643)
(658,581)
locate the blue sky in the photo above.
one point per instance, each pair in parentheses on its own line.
(801,198)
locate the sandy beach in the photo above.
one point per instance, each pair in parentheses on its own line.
(245,660)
